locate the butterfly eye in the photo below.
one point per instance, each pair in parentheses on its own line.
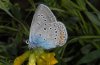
(27,42)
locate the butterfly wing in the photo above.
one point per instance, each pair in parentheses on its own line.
(51,35)
(45,31)
(62,35)
(42,15)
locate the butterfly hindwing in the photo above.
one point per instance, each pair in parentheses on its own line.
(42,15)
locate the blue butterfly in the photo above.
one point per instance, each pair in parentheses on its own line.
(46,31)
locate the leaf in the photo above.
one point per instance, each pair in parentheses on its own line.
(92,18)
(15,10)
(81,4)
(90,57)
(69,4)
(86,49)
(1,63)
(94,9)
(5,5)
(32,3)
(8,28)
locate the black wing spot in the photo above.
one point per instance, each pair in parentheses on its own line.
(55,38)
(45,24)
(40,34)
(38,15)
(41,15)
(55,31)
(50,28)
(54,24)
(45,20)
(44,28)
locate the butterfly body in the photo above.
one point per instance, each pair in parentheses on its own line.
(46,31)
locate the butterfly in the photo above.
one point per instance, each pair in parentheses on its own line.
(45,30)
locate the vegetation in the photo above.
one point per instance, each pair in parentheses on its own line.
(82,21)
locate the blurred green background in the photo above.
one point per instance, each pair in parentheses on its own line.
(82,20)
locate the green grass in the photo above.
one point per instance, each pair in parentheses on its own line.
(82,22)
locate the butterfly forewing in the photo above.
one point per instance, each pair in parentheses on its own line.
(42,15)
